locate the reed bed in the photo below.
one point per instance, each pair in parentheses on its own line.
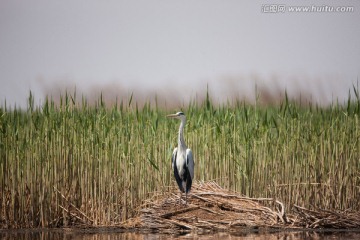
(71,163)
(210,208)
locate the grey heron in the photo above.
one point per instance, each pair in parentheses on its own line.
(182,159)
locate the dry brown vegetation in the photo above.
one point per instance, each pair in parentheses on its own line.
(212,208)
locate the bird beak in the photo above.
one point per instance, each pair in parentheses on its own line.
(171,115)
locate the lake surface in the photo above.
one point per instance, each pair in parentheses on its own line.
(65,234)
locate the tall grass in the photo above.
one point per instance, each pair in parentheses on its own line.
(72,162)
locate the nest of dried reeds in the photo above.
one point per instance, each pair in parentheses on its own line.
(321,218)
(212,208)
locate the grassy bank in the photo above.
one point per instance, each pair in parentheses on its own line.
(101,163)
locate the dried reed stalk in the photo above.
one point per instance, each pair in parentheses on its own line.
(321,218)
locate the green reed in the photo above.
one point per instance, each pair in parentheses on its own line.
(72,162)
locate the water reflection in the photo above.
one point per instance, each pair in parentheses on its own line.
(116,235)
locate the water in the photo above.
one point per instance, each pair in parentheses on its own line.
(64,234)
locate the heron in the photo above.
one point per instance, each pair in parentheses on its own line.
(182,159)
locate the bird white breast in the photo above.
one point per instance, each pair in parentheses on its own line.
(180,162)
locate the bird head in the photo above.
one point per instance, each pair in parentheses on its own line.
(178,115)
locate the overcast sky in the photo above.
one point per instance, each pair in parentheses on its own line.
(177,46)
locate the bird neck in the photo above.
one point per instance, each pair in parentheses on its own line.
(181,141)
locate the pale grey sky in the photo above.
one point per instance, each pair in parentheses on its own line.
(152,45)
